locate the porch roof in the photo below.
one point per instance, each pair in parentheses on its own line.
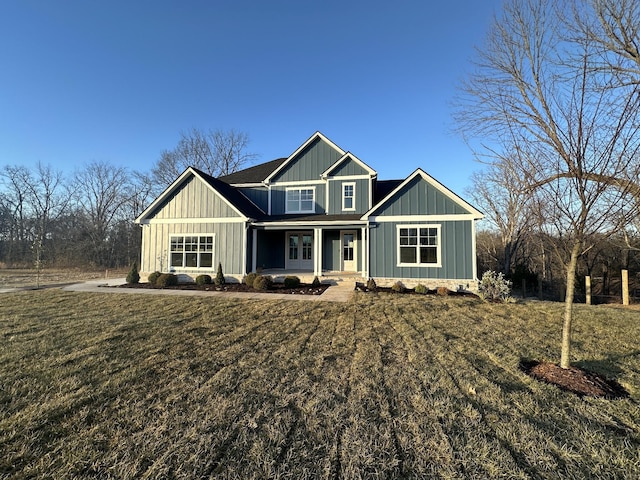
(311,221)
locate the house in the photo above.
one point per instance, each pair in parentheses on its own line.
(320,211)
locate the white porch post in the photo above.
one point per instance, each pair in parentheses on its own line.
(317,251)
(365,252)
(254,250)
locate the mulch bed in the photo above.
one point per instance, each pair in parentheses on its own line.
(304,289)
(575,380)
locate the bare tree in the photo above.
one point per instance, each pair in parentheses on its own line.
(535,92)
(216,152)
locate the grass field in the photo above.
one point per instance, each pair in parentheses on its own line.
(387,386)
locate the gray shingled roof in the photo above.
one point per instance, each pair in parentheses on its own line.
(255,174)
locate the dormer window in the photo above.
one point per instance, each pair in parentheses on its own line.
(301,200)
(349,196)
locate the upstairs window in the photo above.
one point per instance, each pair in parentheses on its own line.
(348,196)
(300,200)
(419,245)
(193,251)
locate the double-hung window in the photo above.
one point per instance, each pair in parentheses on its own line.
(301,200)
(419,245)
(349,196)
(191,251)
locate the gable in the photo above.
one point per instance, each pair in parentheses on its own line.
(309,162)
(350,166)
(189,197)
(420,195)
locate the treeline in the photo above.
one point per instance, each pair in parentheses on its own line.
(85,218)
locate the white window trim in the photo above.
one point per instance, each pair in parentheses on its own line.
(353,198)
(201,234)
(286,200)
(438,263)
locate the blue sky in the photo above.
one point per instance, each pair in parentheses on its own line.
(118,81)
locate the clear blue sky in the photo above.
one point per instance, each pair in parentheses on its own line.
(118,81)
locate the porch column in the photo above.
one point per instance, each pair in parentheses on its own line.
(317,251)
(365,252)
(254,250)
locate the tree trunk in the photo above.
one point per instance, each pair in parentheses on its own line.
(568,306)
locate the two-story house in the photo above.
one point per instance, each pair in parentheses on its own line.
(321,211)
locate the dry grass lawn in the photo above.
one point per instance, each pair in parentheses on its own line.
(387,386)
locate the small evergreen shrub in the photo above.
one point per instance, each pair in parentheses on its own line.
(421,289)
(291,282)
(316,282)
(263,282)
(371,285)
(203,279)
(494,287)
(398,287)
(442,291)
(219,280)
(133,276)
(167,280)
(249,279)
(153,277)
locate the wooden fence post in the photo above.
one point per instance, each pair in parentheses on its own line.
(625,287)
(587,284)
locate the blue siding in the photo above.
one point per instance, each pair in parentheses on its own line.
(258,195)
(457,255)
(335,196)
(419,197)
(348,167)
(310,163)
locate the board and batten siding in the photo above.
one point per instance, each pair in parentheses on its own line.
(335,195)
(456,243)
(309,164)
(228,241)
(195,199)
(348,168)
(258,195)
(419,197)
(279,197)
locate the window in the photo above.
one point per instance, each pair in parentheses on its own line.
(348,196)
(419,245)
(300,200)
(194,251)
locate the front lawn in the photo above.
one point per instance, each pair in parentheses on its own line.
(387,386)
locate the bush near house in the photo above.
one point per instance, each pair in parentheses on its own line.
(203,279)
(219,280)
(133,276)
(249,279)
(167,280)
(153,277)
(398,287)
(262,282)
(421,289)
(291,281)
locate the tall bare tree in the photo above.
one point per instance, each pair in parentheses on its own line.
(537,92)
(216,152)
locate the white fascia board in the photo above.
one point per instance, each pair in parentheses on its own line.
(166,221)
(421,218)
(344,158)
(294,224)
(437,185)
(312,138)
(298,183)
(168,191)
(174,186)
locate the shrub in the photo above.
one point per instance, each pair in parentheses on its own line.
(203,279)
(219,280)
(442,291)
(263,282)
(249,279)
(153,277)
(421,289)
(316,282)
(398,287)
(133,276)
(371,285)
(291,282)
(494,287)
(167,280)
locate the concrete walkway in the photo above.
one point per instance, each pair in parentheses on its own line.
(341,292)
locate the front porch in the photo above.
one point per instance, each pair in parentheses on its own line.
(330,277)
(335,252)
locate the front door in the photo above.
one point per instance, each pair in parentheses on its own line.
(348,251)
(299,255)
